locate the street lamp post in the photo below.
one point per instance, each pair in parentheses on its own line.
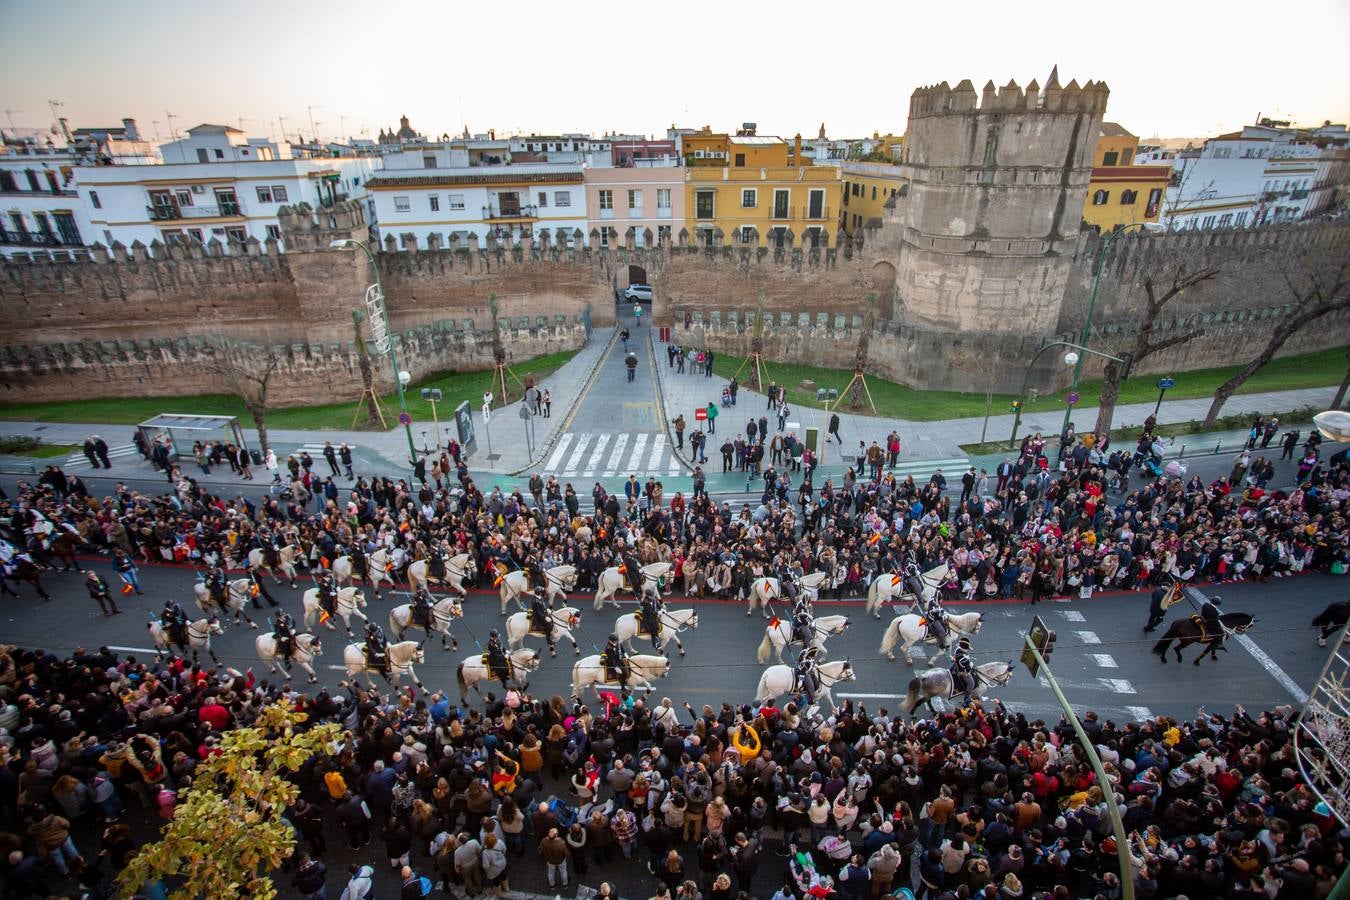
(1092,306)
(405,417)
(1073,357)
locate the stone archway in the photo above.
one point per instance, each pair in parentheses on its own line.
(882,280)
(636,275)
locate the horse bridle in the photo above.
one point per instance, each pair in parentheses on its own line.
(1001,681)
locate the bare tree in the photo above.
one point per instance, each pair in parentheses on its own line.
(1318,285)
(1160,289)
(1339,402)
(248,372)
(373,417)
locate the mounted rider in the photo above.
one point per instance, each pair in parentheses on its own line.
(803,628)
(632,567)
(436,560)
(807,679)
(174,622)
(963,669)
(328,592)
(534,575)
(271,551)
(357,554)
(283,630)
(650,610)
(496,660)
(787,582)
(938,629)
(1210,622)
(914,580)
(420,612)
(615,661)
(216,586)
(541,618)
(377,648)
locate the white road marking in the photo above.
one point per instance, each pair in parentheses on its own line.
(639,446)
(1280,675)
(616,455)
(1104,660)
(1140,713)
(871,696)
(1119,685)
(558,452)
(132,649)
(658,448)
(596,456)
(575,458)
(1088,637)
(1072,615)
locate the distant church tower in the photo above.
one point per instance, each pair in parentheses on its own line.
(995,188)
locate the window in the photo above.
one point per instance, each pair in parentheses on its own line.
(543,199)
(749,198)
(202,155)
(1226,220)
(1100,197)
(44,225)
(184,197)
(663,198)
(264,194)
(227,201)
(236,234)
(402,204)
(815,205)
(66,228)
(663,232)
(220,154)
(434,202)
(606,199)
(740,160)
(17,224)
(562,198)
(781,209)
(455,201)
(635,199)
(429,161)
(1241,220)
(748,234)
(1126,156)
(1208,222)
(1154,198)
(274,232)
(244,152)
(704,204)
(196,234)
(1110,158)
(604,237)
(1128,198)
(874,192)
(94,201)
(279,193)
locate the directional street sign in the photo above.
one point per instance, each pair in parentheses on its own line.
(1165,383)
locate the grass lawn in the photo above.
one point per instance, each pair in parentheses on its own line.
(896,401)
(26,446)
(456,388)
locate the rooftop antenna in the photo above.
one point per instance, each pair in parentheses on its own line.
(312,129)
(173,132)
(281,120)
(53,105)
(242,120)
(9,113)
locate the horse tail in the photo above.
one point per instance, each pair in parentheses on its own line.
(890,636)
(1160,648)
(463,685)
(765,648)
(872,594)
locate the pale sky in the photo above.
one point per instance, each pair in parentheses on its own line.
(1193,68)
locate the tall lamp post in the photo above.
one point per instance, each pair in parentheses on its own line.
(379,327)
(1092,305)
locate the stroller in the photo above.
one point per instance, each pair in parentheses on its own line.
(1152,465)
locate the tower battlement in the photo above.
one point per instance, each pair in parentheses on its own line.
(943,99)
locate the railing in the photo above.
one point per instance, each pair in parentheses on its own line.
(783,212)
(35,239)
(606,213)
(635,212)
(527,211)
(821,213)
(326,202)
(663,212)
(43,192)
(174,213)
(705,214)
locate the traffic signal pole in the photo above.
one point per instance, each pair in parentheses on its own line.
(1117,824)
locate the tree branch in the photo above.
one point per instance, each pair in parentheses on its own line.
(1151,348)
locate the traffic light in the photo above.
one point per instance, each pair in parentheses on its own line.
(1016,405)
(1043,639)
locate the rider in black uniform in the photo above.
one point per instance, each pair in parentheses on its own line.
(534,572)
(937,621)
(541,619)
(494,657)
(283,629)
(615,661)
(420,612)
(216,586)
(806,673)
(914,581)
(174,622)
(436,563)
(327,593)
(377,648)
(1209,618)
(803,629)
(633,569)
(963,669)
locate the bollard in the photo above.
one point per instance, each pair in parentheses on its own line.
(1183,452)
(1216,448)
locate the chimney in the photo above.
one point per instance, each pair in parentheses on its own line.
(797,150)
(130,126)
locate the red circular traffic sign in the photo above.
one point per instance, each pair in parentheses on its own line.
(701,414)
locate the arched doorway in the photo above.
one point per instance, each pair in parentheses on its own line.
(637,275)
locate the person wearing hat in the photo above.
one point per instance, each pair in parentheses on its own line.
(963,669)
(100,592)
(494,657)
(615,661)
(1211,622)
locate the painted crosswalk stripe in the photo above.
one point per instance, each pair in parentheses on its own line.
(1072,615)
(558,452)
(616,455)
(577,452)
(1105,660)
(658,450)
(1140,713)
(596,455)
(1119,685)
(1275,671)
(118,452)
(1088,637)
(639,447)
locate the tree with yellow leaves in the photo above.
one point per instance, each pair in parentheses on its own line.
(227,834)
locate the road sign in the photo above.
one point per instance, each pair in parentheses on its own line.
(1165,383)
(1044,640)
(701,414)
(525,411)
(404,419)
(1072,398)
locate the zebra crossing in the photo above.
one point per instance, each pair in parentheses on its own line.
(604,455)
(78,458)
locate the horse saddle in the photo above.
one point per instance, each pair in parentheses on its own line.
(377,659)
(328,601)
(609,673)
(436,567)
(177,633)
(421,615)
(1206,632)
(498,668)
(649,626)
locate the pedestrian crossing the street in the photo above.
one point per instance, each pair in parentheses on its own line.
(77,459)
(596,455)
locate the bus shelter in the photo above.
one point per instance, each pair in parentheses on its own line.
(181,431)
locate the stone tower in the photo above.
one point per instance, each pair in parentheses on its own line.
(996,183)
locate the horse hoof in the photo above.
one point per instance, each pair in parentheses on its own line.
(313,680)
(749,613)
(454,645)
(682,651)
(1321,642)
(253,625)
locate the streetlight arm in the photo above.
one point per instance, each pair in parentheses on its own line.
(1026,377)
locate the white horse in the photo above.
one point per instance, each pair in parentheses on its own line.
(779,680)
(401,658)
(886,588)
(198,638)
(565,618)
(931,683)
(443,611)
(912,629)
(778,634)
(611,580)
(458,569)
(764,591)
(557,582)
(286,557)
(380,567)
(349,602)
(673,621)
(304,647)
(590,672)
(473,670)
(237,594)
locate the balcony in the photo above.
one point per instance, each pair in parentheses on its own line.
(35,239)
(179,213)
(783,213)
(1298,195)
(663,212)
(510,213)
(635,212)
(820,213)
(606,212)
(44,192)
(327,202)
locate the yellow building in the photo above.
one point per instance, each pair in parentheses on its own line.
(759,200)
(866,188)
(705,148)
(1120,192)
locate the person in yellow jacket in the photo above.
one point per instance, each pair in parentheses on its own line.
(746,741)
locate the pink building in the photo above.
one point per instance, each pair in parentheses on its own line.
(641,152)
(642,199)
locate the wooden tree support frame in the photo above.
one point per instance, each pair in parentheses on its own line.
(499,383)
(756,363)
(368,396)
(859,378)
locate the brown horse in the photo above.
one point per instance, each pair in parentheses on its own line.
(1187,631)
(27,571)
(63,547)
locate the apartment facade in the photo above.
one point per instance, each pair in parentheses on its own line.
(1123,192)
(865,191)
(763,206)
(640,200)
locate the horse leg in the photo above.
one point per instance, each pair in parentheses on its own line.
(678,645)
(42,592)
(1178,647)
(313,679)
